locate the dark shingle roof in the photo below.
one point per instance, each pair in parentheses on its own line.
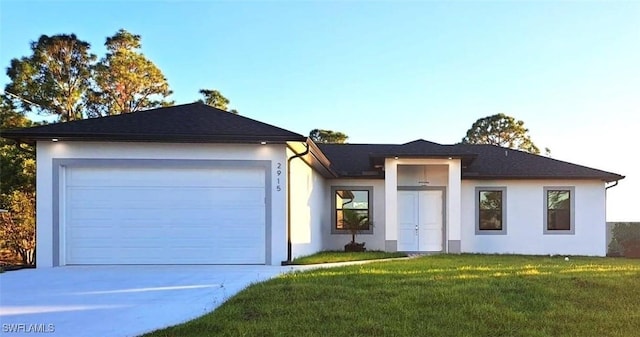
(495,162)
(351,160)
(478,161)
(198,122)
(195,122)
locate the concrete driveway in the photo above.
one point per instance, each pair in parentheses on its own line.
(117,300)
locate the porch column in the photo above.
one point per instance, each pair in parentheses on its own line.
(453,207)
(391,204)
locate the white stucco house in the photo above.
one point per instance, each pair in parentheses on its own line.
(190,184)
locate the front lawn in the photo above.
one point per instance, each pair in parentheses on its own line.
(441,295)
(340,256)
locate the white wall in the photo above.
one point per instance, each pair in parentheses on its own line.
(374,241)
(309,208)
(416,175)
(525,220)
(46,151)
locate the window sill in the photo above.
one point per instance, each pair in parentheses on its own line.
(491,232)
(344,231)
(559,232)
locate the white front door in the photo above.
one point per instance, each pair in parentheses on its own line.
(420,221)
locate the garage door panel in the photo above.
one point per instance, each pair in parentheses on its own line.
(165,216)
(158,256)
(142,217)
(132,198)
(169,177)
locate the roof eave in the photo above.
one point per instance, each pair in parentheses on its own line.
(424,155)
(33,138)
(605,178)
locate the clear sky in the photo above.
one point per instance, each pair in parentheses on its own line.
(390,72)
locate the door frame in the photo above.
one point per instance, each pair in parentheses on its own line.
(443,189)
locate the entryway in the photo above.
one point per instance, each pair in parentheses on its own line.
(421,220)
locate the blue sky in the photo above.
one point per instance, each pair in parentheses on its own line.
(390,71)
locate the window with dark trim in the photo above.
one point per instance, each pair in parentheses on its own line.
(558,210)
(351,208)
(490,215)
(491,210)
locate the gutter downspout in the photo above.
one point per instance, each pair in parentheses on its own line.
(614,185)
(298,155)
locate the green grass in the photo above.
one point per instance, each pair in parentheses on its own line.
(441,295)
(340,256)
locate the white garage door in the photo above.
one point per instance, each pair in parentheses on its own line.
(164,215)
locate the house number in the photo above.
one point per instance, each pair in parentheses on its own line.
(278,174)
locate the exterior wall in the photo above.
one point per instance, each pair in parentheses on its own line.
(47,151)
(309,208)
(374,240)
(417,175)
(525,222)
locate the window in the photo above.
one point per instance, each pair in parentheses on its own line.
(351,207)
(558,209)
(491,210)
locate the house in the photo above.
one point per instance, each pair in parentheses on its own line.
(190,184)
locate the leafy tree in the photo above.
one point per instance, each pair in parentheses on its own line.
(18,226)
(125,80)
(215,99)
(501,130)
(327,136)
(55,78)
(17,161)
(354,222)
(17,187)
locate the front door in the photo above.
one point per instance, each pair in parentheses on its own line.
(420,225)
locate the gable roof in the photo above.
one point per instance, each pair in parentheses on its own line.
(494,162)
(357,160)
(478,161)
(195,122)
(198,122)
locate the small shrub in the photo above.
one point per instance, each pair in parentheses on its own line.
(615,249)
(626,236)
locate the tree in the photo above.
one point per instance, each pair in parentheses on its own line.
(501,130)
(354,222)
(17,161)
(17,187)
(215,99)
(55,77)
(125,80)
(327,136)
(18,226)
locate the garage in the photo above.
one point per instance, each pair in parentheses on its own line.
(126,213)
(184,184)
